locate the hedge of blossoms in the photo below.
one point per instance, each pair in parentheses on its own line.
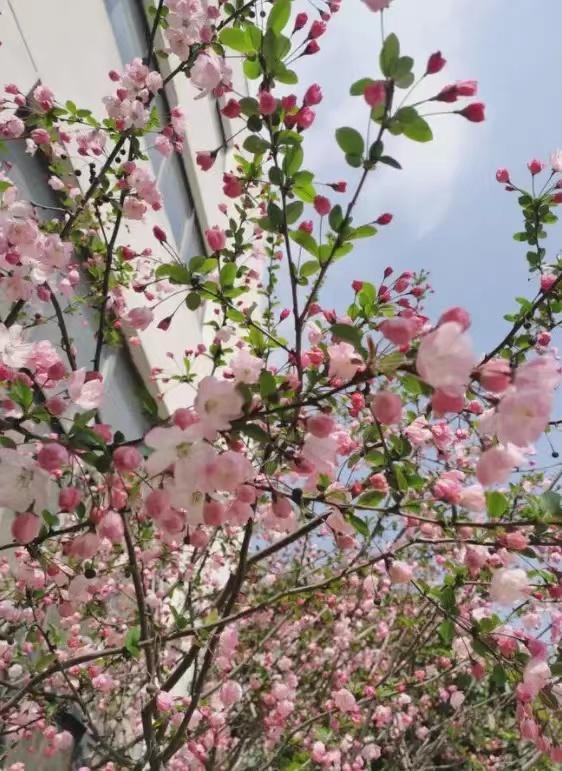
(341,554)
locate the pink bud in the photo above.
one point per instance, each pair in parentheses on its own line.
(311,48)
(473,112)
(127,459)
(502,176)
(26,527)
(387,408)
(320,425)
(495,375)
(375,93)
(214,513)
(267,103)
(52,456)
(547,281)
(69,498)
(317,29)
(111,527)
(159,234)
(313,95)
(322,205)
(216,238)
(384,219)
(184,417)
(535,166)
(443,402)
(301,20)
(435,63)
(157,503)
(457,314)
(357,286)
(231,109)
(205,160)
(400,572)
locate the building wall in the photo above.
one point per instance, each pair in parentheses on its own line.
(70,45)
(45,41)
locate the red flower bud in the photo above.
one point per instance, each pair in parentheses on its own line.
(435,63)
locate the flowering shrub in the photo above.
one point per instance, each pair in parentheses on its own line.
(340,553)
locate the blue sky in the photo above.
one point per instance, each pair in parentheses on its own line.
(451,216)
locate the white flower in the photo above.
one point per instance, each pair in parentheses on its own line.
(23,482)
(14,351)
(509,585)
(246,368)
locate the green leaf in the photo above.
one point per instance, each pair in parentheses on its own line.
(86,438)
(446,631)
(279,15)
(389,55)
(418,130)
(256,145)
(284,75)
(350,141)
(388,161)
(238,39)
(22,394)
(193,300)
(309,268)
(255,432)
(305,240)
(360,525)
(551,503)
(336,217)
(275,214)
(293,160)
(131,642)
(276,176)
(365,231)
(268,384)
(252,69)
(496,503)
(174,272)
(5,185)
(303,187)
(358,88)
(370,498)
(249,106)
(293,212)
(349,334)
(228,274)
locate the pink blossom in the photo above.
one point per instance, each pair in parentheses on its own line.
(495,375)
(377,5)
(164,701)
(523,415)
(26,527)
(320,425)
(111,527)
(387,407)
(345,362)
(345,700)
(86,394)
(473,498)
(246,368)
(127,459)
(52,456)
(230,693)
(536,675)
(400,572)
(400,330)
(139,318)
(445,358)
(496,464)
(217,403)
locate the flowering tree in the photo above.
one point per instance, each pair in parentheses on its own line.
(340,554)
